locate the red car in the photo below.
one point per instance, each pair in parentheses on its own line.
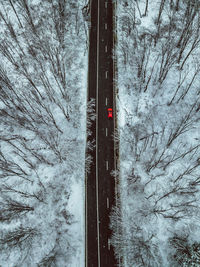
(110,113)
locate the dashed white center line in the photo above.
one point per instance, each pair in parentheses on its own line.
(108,243)
(106,101)
(106,74)
(106,131)
(106,4)
(106,49)
(107,203)
(106,26)
(106,165)
(97,181)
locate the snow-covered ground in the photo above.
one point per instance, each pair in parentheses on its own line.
(157,220)
(43,81)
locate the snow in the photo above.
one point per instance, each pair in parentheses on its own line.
(159,136)
(76,207)
(43,134)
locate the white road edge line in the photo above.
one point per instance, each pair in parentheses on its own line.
(106,101)
(106,26)
(106,49)
(107,203)
(106,165)
(106,4)
(97,185)
(106,131)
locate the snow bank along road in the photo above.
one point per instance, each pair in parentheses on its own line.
(99,183)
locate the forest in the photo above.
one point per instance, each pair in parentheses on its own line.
(156,219)
(43,44)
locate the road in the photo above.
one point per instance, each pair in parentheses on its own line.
(100,185)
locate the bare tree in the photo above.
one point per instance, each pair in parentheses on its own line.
(146,7)
(27,14)
(182,78)
(184,253)
(50,259)
(184,124)
(11,209)
(19,237)
(14,9)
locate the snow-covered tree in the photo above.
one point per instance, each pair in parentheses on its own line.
(158,103)
(42,130)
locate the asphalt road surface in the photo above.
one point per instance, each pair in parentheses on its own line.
(100,185)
